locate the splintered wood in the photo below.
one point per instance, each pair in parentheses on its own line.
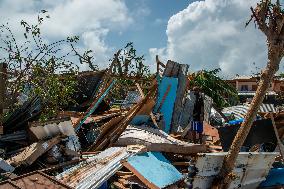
(113,129)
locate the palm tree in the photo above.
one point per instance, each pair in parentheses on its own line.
(270,20)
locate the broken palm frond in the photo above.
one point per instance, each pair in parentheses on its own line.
(113,130)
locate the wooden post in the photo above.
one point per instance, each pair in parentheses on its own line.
(181,93)
(280,144)
(143,96)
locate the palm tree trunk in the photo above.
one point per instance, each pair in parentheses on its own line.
(274,57)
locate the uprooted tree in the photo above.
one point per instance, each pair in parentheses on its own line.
(37,67)
(269,18)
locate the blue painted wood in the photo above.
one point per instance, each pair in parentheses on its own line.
(139,119)
(95,106)
(155,168)
(274,178)
(169,102)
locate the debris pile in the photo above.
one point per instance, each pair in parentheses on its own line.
(165,138)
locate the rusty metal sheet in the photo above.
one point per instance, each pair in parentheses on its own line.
(93,172)
(8,185)
(33,180)
(250,170)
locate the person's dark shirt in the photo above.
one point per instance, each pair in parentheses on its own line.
(198,108)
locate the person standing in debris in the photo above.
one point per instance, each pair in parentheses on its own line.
(198,116)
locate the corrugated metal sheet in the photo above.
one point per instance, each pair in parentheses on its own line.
(157,140)
(241,110)
(132,97)
(250,170)
(96,170)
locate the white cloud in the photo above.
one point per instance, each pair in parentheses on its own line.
(90,19)
(210,34)
(95,40)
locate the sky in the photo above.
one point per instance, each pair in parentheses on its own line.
(205,34)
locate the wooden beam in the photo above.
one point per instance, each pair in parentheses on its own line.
(180,95)
(33,152)
(106,87)
(117,125)
(140,176)
(280,144)
(151,113)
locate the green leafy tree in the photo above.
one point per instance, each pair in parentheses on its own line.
(129,63)
(215,87)
(130,68)
(38,67)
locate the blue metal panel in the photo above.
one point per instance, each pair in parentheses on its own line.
(169,102)
(155,168)
(139,119)
(274,178)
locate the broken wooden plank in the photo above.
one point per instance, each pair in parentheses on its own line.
(168,103)
(180,96)
(182,163)
(97,118)
(153,169)
(33,152)
(159,63)
(168,69)
(123,173)
(175,70)
(280,144)
(105,90)
(110,136)
(151,113)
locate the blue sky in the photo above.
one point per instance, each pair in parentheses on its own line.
(149,29)
(205,34)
